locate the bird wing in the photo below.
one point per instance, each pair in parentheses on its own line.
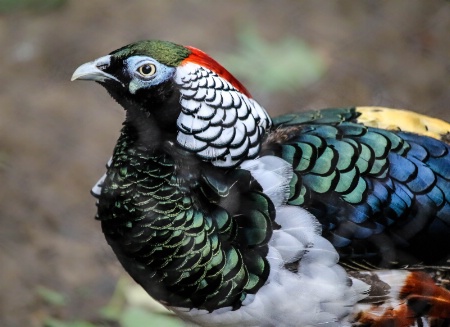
(382,196)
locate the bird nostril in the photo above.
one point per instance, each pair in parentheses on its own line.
(102,66)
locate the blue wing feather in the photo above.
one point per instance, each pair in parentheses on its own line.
(361,181)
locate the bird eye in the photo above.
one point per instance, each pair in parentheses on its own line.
(147,70)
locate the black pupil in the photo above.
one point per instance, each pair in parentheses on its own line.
(146,69)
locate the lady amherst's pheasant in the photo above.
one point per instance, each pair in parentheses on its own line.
(335,217)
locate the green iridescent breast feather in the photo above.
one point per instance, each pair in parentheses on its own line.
(201,243)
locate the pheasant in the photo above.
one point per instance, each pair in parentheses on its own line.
(336,217)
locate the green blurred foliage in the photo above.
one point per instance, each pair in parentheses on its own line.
(138,317)
(51,297)
(58,323)
(286,65)
(34,5)
(129,306)
(4,160)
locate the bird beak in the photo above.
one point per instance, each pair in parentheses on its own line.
(94,71)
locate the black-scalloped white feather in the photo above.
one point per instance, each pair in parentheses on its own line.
(218,122)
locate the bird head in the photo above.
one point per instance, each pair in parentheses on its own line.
(182,89)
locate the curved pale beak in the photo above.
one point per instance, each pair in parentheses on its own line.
(93,71)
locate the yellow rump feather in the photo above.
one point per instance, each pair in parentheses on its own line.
(408,121)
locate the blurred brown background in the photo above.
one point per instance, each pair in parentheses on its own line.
(56,136)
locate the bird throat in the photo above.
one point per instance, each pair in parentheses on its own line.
(153,117)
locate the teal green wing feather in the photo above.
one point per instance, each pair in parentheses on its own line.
(324,116)
(367,184)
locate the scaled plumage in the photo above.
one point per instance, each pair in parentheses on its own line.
(337,216)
